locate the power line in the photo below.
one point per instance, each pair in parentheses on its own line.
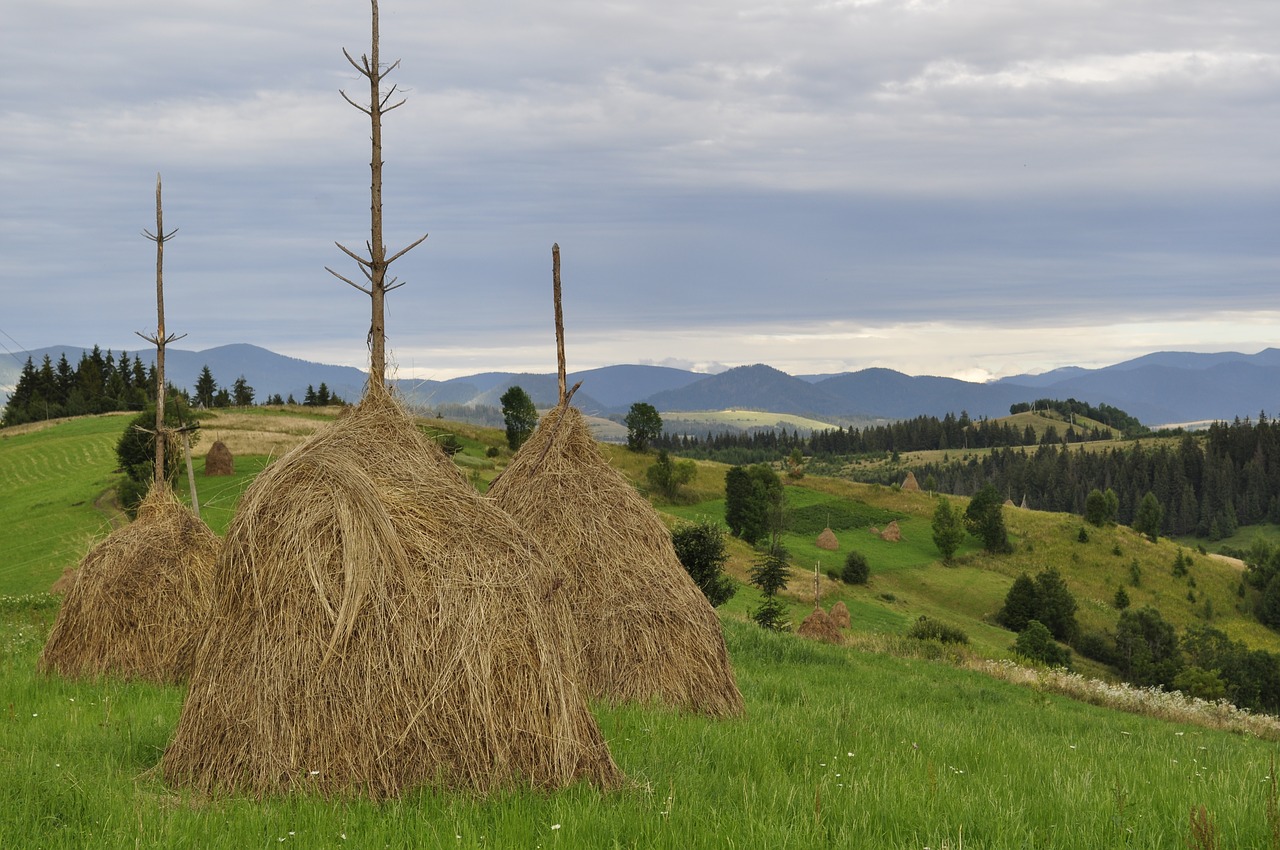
(21,347)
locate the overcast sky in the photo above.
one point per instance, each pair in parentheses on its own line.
(968,188)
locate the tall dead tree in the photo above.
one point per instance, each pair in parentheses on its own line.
(374,268)
(160,338)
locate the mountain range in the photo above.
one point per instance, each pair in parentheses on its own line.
(1162,388)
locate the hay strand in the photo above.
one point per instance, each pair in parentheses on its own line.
(648,632)
(138,604)
(380,626)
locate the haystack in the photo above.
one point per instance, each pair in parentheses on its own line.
(380,626)
(839,615)
(64,581)
(892,532)
(827,540)
(219,460)
(1008,503)
(910,484)
(819,626)
(138,607)
(648,632)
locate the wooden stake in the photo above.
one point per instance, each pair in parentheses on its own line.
(374,268)
(191,473)
(160,338)
(555,284)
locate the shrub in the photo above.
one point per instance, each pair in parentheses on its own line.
(1035,643)
(1097,647)
(492,451)
(856,569)
(927,628)
(700,549)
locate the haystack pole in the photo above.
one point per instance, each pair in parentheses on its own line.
(374,268)
(379,625)
(649,632)
(140,598)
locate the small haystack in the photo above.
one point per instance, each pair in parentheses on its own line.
(892,533)
(839,615)
(219,460)
(1008,503)
(819,626)
(910,484)
(64,582)
(827,540)
(380,626)
(647,631)
(138,607)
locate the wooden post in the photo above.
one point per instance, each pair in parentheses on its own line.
(374,268)
(191,473)
(555,285)
(161,339)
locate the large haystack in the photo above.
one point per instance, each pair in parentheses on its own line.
(819,626)
(380,626)
(909,484)
(219,460)
(138,606)
(827,540)
(839,615)
(647,631)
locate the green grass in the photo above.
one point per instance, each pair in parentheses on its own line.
(50,479)
(839,748)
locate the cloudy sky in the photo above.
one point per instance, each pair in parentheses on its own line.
(967,188)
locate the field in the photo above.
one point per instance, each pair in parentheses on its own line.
(841,746)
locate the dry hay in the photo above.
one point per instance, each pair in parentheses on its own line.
(138,606)
(891,532)
(380,626)
(64,581)
(827,540)
(910,484)
(647,630)
(839,615)
(219,460)
(819,626)
(1008,503)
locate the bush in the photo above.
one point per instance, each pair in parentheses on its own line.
(856,569)
(492,451)
(1035,643)
(700,549)
(1097,647)
(927,628)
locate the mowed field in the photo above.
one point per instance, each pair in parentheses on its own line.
(840,746)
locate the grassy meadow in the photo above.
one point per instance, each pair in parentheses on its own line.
(849,746)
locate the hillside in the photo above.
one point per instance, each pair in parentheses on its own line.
(907,578)
(1159,388)
(885,744)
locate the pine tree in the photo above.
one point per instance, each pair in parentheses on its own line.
(770,574)
(948,529)
(206,388)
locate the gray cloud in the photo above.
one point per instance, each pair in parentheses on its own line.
(712,170)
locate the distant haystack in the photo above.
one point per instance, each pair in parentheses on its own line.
(64,581)
(827,540)
(909,483)
(139,605)
(219,460)
(1008,503)
(380,626)
(647,631)
(819,626)
(892,532)
(839,615)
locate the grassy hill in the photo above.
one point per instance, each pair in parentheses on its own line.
(841,746)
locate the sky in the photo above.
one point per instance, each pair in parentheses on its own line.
(968,188)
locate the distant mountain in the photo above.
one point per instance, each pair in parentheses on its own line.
(755,387)
(1159,388)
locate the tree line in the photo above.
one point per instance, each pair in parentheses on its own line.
(1207,486)
(923,433)
(98,383)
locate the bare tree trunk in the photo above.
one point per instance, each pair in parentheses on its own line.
(191,474)
(374,268)
(161,339)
